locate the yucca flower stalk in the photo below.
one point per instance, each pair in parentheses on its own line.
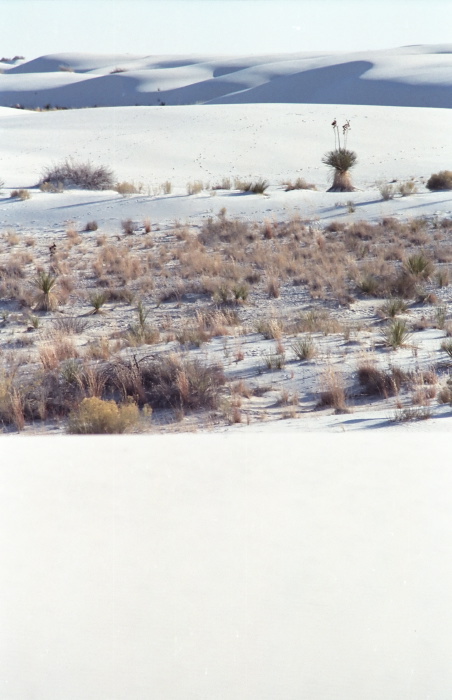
(341,160)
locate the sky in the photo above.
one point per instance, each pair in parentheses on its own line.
(37,27)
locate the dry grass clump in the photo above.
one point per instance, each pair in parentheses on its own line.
(224,184)
(304,348)
(333,393)
(299,184)
(406,188)
(51,355)
(382,382)
(270,328)
(20,194)
(194,187)
(95,416)
(254,187)
(127,188)
(318,321)
(50,187)
(225,230)
(440,181)
(387,190)
(72,173)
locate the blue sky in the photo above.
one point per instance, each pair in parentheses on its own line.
(36,27)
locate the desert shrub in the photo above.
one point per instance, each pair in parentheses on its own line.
(168,382)
(379,381)
(411,413)
(167,187)
(396,334)
(440,181)
(96,416)
(20,194)
(407,188)
(241,292)
(224,230)
(71,325)
(128,226)
(446,345)
(91,226)
(71,173)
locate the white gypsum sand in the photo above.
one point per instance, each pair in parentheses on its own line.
(231,565)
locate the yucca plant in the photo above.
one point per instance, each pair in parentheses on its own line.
(46,299)
(419,265)
(97,300)
(341,160)
(396,334)
(393,307)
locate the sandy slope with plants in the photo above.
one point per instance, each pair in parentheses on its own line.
(289,292)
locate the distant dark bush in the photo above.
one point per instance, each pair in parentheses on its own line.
(76,174)
(440,181)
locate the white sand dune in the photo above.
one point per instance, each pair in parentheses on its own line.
(180,144)
(415,76)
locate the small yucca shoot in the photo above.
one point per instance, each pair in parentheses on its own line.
(46,299)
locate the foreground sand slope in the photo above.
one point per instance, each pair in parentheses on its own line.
(260,569)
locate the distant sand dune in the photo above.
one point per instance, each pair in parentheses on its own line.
(417,76)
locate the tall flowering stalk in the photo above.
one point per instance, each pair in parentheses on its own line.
(341,160)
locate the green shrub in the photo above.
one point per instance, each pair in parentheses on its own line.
(96,416)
